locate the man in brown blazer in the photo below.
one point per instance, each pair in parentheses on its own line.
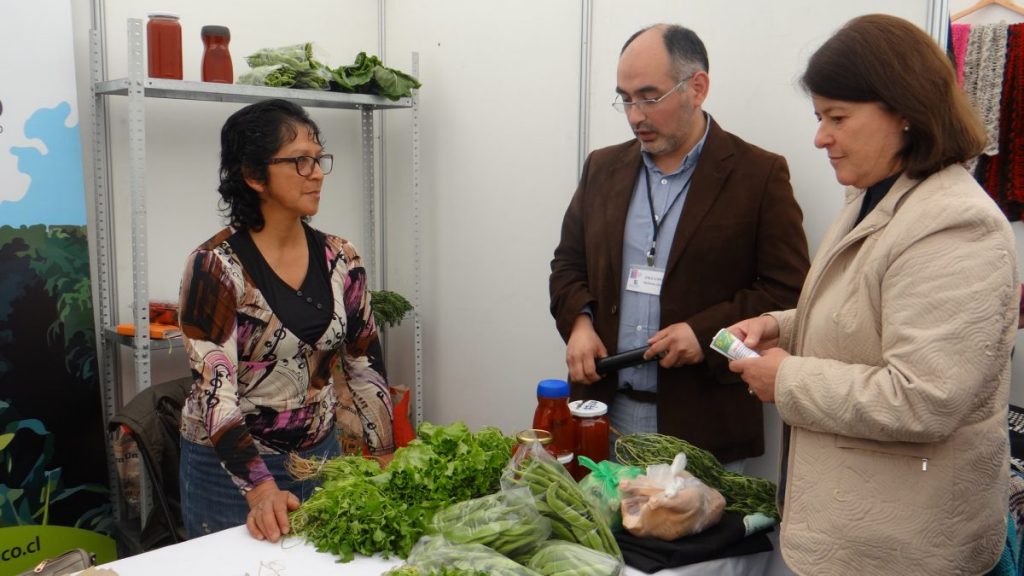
(669,237)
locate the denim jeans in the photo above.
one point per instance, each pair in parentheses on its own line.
(210,501)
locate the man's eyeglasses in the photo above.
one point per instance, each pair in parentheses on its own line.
(304,164)
(646,103)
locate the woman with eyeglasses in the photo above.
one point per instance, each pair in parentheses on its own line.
(892,374)
(277,325)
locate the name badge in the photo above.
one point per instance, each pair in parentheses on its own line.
(645,280)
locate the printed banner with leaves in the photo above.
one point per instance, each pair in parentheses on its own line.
(53,473)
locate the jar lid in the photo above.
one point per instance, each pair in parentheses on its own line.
(535,435)
(588,408)
(171,15)
(553,388)
(214,30)
(566,458)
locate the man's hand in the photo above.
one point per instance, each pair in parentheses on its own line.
(268,511)
(583,348)
(675,345)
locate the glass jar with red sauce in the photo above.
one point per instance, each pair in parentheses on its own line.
(591,424)
(216,57)
(163,45)
(552,414)
(527,440)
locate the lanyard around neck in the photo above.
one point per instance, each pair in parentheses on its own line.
(655,220)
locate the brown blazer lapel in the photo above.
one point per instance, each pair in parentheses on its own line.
(618,190)
(713,168)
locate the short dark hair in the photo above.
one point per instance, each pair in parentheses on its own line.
(249,139)
(683,45)
(885,59)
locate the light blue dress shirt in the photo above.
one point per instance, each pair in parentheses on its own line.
(640,314)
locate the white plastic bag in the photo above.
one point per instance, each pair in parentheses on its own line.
(668,502)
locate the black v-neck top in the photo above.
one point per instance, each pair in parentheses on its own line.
(874,194)
(306,312)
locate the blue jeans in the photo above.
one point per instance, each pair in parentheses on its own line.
(210,501)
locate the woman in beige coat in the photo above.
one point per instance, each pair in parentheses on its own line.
(892,374)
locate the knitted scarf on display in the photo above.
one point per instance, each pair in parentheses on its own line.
(983,76)
(959,34)
(1002,175)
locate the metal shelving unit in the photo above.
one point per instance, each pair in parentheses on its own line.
(137,88)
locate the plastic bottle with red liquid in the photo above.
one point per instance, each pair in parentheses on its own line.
(216,56)
(552,414)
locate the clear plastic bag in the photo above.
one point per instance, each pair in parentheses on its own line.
(435,553)
(560,558)
(601,486)
(128,462)
(573,517)
(506,521)
(287,67)
(668,502)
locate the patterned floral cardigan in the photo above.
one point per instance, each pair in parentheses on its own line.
(258,388)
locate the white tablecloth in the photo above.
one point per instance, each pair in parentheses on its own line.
(233,552)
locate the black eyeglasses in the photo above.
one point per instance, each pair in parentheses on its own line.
(304,164)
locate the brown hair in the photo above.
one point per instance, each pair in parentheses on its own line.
(885,59)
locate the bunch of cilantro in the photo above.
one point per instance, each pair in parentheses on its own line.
(385,512)
(368,75)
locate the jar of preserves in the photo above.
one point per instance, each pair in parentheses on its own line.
(568,461)
(216,57)
(552,414)
(163,45)
(526,440)
(591,424)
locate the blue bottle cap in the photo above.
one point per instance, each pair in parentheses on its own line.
(553,389)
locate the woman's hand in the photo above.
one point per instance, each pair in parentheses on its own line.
(384,460)
(268,511)
(758,333)
(759,373)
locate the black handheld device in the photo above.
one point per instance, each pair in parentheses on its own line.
(622,360)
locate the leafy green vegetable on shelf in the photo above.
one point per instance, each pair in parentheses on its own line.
(295,56)
(368,75)
(286,67)
(350,78)
(394,84)
(367,511)
(281,77)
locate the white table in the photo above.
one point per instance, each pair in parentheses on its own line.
(233,552)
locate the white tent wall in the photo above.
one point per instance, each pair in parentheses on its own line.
(499,156)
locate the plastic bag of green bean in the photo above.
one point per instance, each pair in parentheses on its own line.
(506,521)
(574,518)
(436,553)
(558,558)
